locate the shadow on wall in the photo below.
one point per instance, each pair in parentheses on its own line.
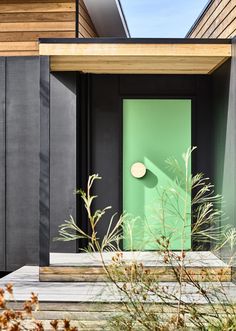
(228,183)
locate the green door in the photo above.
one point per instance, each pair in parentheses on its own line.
(153,131)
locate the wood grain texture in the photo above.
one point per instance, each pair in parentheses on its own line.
(80,274)
(148,259)
(136,58)
(18,46)
(203,266)
(37,17)
(217,22)
(26,21)
(33,36)
(135,50)
(37,26)
(221,22)
(93,304)
(159,64)
(37,7)
(26,280)
(229,31)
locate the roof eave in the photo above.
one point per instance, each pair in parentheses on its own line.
(198,19)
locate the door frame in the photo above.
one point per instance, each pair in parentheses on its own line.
(93,99)
(193,135)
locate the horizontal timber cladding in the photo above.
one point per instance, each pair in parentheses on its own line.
(218,21)
(22,23)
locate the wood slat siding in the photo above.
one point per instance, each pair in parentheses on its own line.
(22,23)
(219,21)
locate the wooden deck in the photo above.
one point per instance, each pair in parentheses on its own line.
(89,305)
(83,267)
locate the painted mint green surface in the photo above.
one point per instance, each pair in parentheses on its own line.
(154,130)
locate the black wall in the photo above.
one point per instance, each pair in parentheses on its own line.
(224,96)
(62,155)
(105,125)
(19,161)
(98,142)
(19,158)
(2,165)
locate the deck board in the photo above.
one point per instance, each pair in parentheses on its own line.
(149,259)
(90,305)
(26,280)
(84,267)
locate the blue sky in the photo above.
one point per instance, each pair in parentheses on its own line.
(161,18)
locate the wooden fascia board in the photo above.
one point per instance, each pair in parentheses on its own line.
(136,58)
(201,50)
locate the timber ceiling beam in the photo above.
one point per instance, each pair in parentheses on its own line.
(136,58)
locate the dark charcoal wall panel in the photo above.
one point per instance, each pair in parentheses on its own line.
(224,92)
(224,97)
(2,164)
(44,180)
(22,161)
(174,85)
(220,93)
(202,126)
(105,143)
(107,92)
(62,155)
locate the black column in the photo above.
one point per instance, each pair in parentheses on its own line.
(3,164)
(44,186)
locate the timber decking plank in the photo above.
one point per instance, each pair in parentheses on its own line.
(84,267)
(149,259)
(90,305)
(25,281)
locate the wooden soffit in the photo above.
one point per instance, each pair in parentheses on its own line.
(136,58)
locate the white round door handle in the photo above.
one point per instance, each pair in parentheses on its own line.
(138,170)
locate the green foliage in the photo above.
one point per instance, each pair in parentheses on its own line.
(137,284)
(71,231)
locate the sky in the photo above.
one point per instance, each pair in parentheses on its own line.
(161,18)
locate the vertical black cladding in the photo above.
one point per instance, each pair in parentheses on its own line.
(105,146)
(77,10)
(22,161)
(57,158)
(83,88)
(2,163)
(62,155)
(92,130)
(44,179)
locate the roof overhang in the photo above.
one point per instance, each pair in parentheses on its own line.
(199,18)
(108,18)
(136,56)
